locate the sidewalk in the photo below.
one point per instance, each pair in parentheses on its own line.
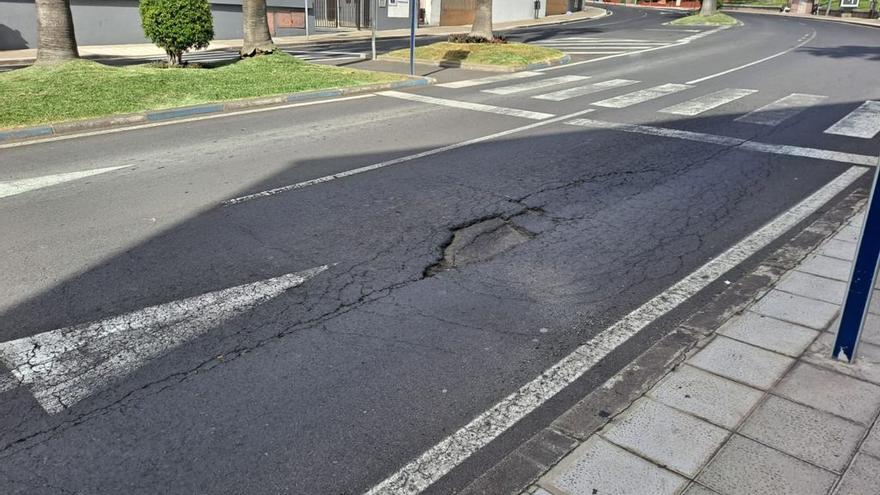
(140,50)
(756,408)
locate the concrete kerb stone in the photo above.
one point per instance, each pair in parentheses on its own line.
(456,64)
(70,127)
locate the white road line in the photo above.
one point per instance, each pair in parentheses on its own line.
(403,159)
(63,366)
(488,80)
(762,60)
(181,121)
(440,459)
(594,53)
(532,85)
(780,110)
(466,105)
(732,142)
(585,89)
(863,122)
(707,102)
(642,96)
(14,187)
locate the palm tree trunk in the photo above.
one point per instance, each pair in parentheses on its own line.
(708,7)
(257,39)
(55,30)
(482,27)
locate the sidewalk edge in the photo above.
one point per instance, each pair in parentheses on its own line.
(71,127)
(452,64)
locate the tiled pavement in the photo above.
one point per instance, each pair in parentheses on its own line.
(759,408)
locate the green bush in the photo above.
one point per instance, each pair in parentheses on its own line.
(177,25)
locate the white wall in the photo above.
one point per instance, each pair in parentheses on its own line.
(515,10)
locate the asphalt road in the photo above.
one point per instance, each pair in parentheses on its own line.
(550,234)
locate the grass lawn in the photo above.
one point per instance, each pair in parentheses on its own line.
(717,19)
(507,54)
(83,89)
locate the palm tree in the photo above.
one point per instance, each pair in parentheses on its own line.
(482,27)
(255,25)
(707,7)
(55,30)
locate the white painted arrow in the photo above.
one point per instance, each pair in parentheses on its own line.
(13,187)
(63,366)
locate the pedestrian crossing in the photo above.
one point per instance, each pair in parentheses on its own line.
(579,45)
(862,122)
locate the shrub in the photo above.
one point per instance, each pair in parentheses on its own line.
(177,25)
(467,38)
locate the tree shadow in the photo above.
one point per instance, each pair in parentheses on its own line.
(11,39)
(848,51)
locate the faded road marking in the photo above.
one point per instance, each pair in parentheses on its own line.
(642,96)
(704,103)
(863,122)
(732,142)
(61,367)
(782,109)
(14,187)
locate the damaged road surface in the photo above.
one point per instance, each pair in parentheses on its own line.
(398,270)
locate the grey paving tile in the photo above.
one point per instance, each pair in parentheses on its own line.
(696,489)
(849,234)
(871,445)
(827,267)
(541,491)
(871,330)
(874,305)
(862,478)
(769,333)
(806,433)
(668,437)
(813,287)
(796,309)
(836,248)
(744,466)
(865,367)
(598,466)
(831,392)
(741,362)
(715,399)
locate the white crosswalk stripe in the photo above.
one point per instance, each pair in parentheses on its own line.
(467,83)
(863,122)
(586,89)
(466,105)
(642,95)
(781,110)
(707,102)
(532,85)
(601,46)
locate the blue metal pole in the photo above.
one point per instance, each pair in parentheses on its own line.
(413,22)
(862,280)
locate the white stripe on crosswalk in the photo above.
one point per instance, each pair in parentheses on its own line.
(863,122)
(466,105)
(701,104)
(489,80)
(642,95)
(781,109)
(615,52)
(542,83)
(585,90)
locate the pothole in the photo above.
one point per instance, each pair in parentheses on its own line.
(479,242)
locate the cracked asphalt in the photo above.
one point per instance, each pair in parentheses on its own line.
(454,278)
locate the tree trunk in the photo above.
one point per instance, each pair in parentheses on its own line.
(55,31)
(708,7)
(257,39)
(482,27)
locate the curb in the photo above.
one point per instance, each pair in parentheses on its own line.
(454,64)
(70,127)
